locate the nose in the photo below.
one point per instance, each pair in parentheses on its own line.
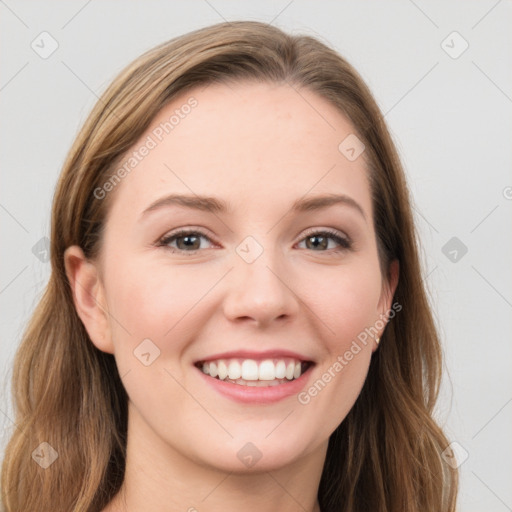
(260,292)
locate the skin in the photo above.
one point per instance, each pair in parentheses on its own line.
(258,147)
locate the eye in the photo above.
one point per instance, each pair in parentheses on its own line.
(190,241)
(186,241)
(318,241)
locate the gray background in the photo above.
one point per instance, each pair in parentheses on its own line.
(450,116)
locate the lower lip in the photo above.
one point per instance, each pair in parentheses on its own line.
(255,394)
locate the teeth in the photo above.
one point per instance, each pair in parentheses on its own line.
(234,371)
(258,383)
(222,369)
(269,372)
(296,373)
(290,370)
(280,370)
(249,370)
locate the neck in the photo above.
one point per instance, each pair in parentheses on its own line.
(158,477)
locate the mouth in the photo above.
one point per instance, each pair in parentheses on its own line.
(254,372)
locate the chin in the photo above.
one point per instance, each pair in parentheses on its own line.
(255,453)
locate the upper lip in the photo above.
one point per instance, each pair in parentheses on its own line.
(260,355)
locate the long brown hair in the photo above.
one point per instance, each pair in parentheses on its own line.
(386,454)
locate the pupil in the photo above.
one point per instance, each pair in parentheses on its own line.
(323,242)
(188,241)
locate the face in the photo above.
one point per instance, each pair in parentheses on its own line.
(252,275)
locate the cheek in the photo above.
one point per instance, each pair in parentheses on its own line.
(347,303)
(349,308)
(155,301)
(159,304)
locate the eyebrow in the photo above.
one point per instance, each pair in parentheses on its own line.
(215,205)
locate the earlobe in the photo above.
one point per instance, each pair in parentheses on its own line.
(389,285)
(392,282)
(88,297)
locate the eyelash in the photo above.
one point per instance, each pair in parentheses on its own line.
(345,243)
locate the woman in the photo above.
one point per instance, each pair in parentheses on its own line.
(235,316)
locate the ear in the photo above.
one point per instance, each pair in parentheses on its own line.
(89,297)
(389,284)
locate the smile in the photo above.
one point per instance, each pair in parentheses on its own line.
(251,372)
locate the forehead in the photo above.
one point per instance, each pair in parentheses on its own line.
(250,143)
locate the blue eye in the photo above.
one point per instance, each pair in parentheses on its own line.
(187,241)
(321,240)
(190,241)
